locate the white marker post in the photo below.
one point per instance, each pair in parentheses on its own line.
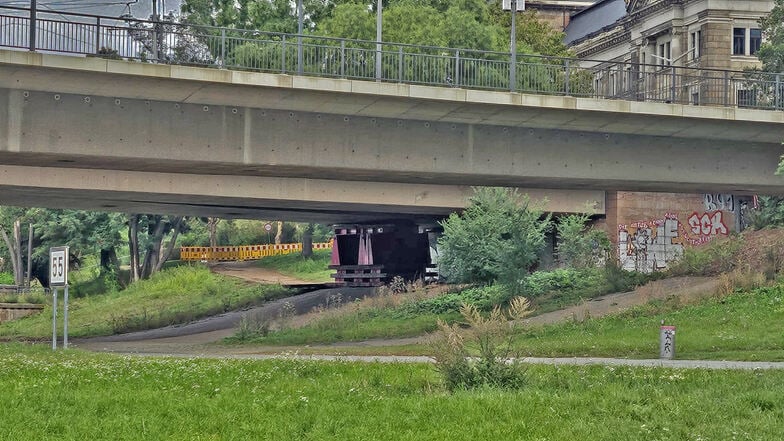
(58,276)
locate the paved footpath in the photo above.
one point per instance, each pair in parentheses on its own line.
(574,361)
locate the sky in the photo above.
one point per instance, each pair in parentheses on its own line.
(111,8)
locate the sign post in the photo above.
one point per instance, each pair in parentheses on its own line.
(58,276)
(667,342)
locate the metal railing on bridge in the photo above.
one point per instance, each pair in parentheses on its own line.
(181,43)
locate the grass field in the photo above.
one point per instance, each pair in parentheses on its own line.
(175,295)
(78,396)
(741,326)
(313,269)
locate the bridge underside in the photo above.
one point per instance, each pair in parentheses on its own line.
(303,199)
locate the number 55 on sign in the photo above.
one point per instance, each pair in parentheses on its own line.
(58,266)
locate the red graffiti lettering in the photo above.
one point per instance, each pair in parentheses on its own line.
(708,224)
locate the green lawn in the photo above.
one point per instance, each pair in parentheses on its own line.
(78,396)
(312,269)
(175,295)
(741,326)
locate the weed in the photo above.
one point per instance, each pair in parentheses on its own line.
(490,334)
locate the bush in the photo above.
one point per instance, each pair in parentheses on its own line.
(493,367)
(579,246)
(719,256)
(483,298)
(769,214)
(7,279)
(497,238)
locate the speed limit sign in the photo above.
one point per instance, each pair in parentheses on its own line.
(58,266)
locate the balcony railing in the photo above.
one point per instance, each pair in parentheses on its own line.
(226,48)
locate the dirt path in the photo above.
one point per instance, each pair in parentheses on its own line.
(248,270)
(198,338)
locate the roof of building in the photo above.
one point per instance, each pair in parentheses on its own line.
(594,18)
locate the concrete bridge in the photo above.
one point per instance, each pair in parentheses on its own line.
(95,133)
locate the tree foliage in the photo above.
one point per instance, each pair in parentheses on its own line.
(497,238)
(771,52)
(578,245)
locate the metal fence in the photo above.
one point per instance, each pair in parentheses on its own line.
(225,48)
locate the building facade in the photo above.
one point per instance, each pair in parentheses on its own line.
(667,50)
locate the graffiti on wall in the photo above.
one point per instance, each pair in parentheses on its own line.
(650,245)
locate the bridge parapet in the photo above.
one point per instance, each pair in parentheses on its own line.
(170,42)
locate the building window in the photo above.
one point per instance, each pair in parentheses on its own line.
(755,40)
(664,54)
(739,41)
(746,41)
(696,43)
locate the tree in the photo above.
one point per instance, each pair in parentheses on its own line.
(146,234)
(84,232)
(771,52)
(578,245)
(497,238)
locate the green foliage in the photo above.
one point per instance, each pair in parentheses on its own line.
(719,256)
(489,334)
(497,238)
(6,279)
(483,298)
(579,246)
(771,51)
(162,398)
(551,290)
(172,296)
(769,214)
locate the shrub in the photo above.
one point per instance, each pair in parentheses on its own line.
(719,256)
(578,245)
(483,298)
(493,367)
(497,238)
(7,279)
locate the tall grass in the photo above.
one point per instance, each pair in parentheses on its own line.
(173,296)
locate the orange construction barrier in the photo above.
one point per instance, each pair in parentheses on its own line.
(246,252)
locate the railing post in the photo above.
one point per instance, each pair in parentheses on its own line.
(33,23)
(726,88)
(97,34)
(223,47)
(672,86)
(567,77)
(342,58)
(400,64)
(457,68)
(778,98)
(283,55)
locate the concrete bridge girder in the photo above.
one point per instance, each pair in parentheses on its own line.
(135,134)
